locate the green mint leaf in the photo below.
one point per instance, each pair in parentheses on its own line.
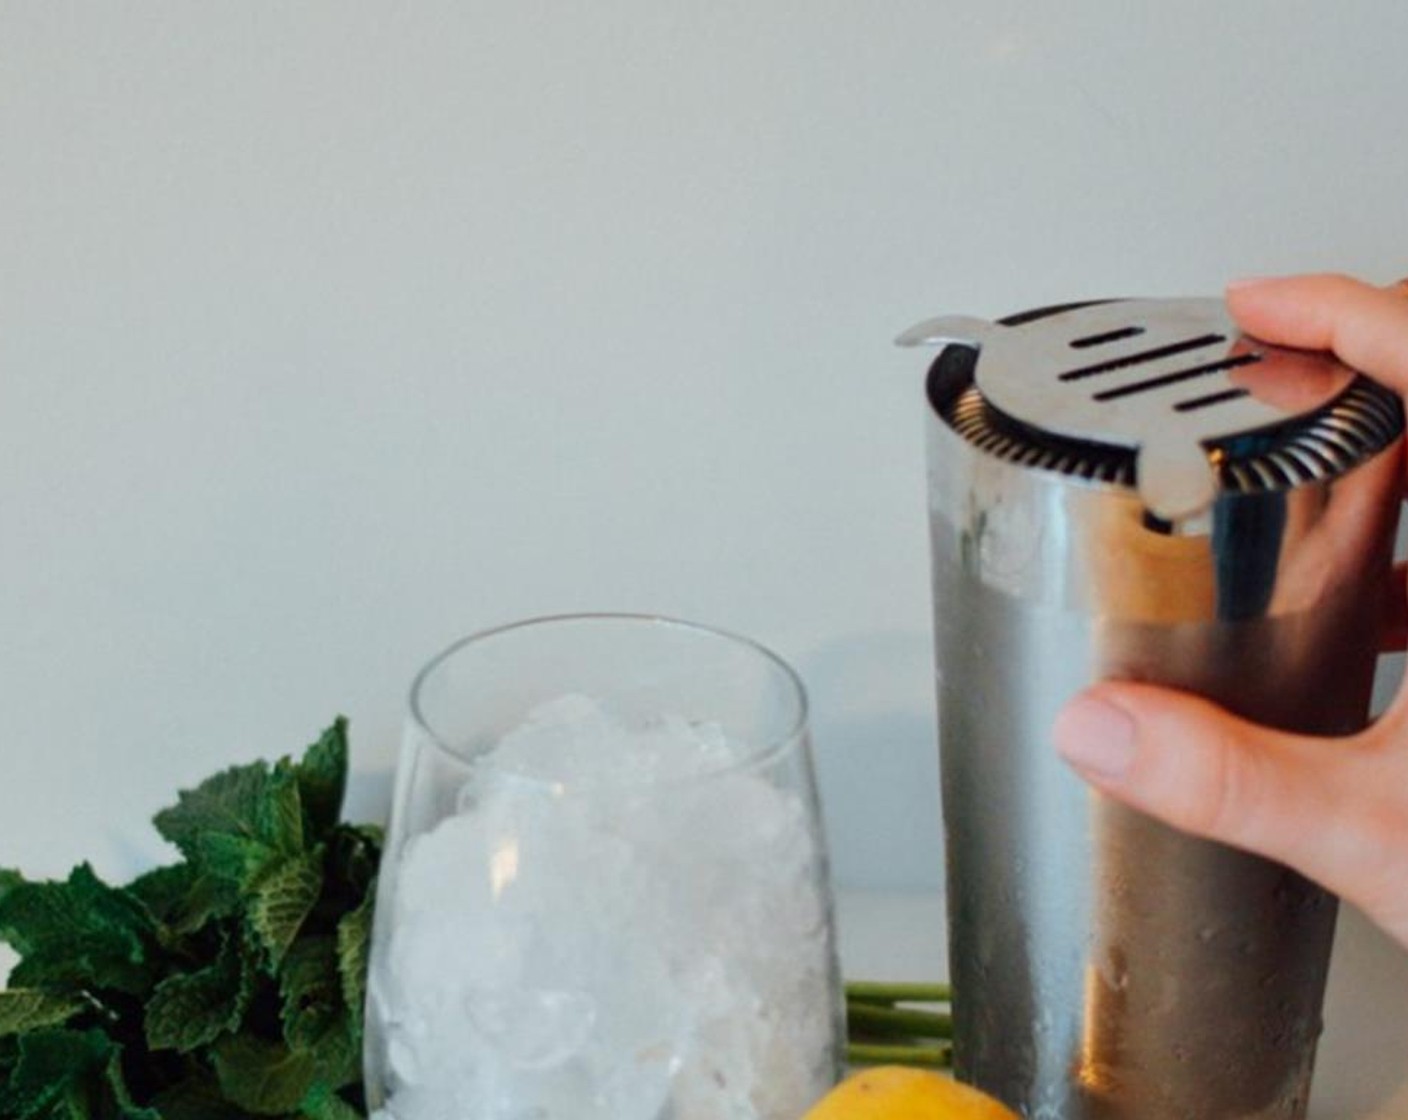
(55,1072)
(116,1082)
(354,933)
(68,1075)
(311,990)
(237,862)
(164,891)
(226,804)
(78,933)
(26,1009)
(265,1078)
(236,828)
(182,901)
(315,1018)
(281,813)
(337,1054)
(282,900)
(193,1009)
(197,1097)
(322,778)
(354,853)
(322,1103)
(73,1105)
(210,900)
(221,875)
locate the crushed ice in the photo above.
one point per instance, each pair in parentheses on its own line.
(595,937)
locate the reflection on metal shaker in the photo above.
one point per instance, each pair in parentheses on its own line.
(1134,490)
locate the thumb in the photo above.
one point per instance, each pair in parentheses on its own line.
(1335,810)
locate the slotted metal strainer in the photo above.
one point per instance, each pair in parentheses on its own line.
(1196,406)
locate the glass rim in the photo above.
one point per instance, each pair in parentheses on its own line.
(753,757)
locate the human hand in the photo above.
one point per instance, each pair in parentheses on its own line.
(1337,812)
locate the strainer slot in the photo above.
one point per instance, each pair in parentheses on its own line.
(1175,377)
(1141,356)
(1199,403)
(1106,336)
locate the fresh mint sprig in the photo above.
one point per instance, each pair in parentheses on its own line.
(225,986)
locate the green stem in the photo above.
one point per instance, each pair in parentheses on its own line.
(876,1054)
(875,1019)
(871,991)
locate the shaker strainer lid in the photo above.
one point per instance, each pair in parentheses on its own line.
(1168,380)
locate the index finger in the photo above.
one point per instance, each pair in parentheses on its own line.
(1365,326)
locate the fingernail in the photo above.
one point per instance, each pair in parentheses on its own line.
(1096,737)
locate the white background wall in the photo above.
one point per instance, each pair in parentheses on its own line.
(330,332)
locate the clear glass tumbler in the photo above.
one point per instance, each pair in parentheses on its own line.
(604,894)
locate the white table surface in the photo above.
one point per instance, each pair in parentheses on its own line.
(1362,1068)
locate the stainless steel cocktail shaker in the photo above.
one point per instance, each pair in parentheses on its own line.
(1134,490)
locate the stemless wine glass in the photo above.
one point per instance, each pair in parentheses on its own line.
(604,894)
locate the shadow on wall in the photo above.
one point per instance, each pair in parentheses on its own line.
(1366,1032)
(369,795)
(872,720)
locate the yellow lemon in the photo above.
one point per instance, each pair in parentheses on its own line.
(901,1093)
